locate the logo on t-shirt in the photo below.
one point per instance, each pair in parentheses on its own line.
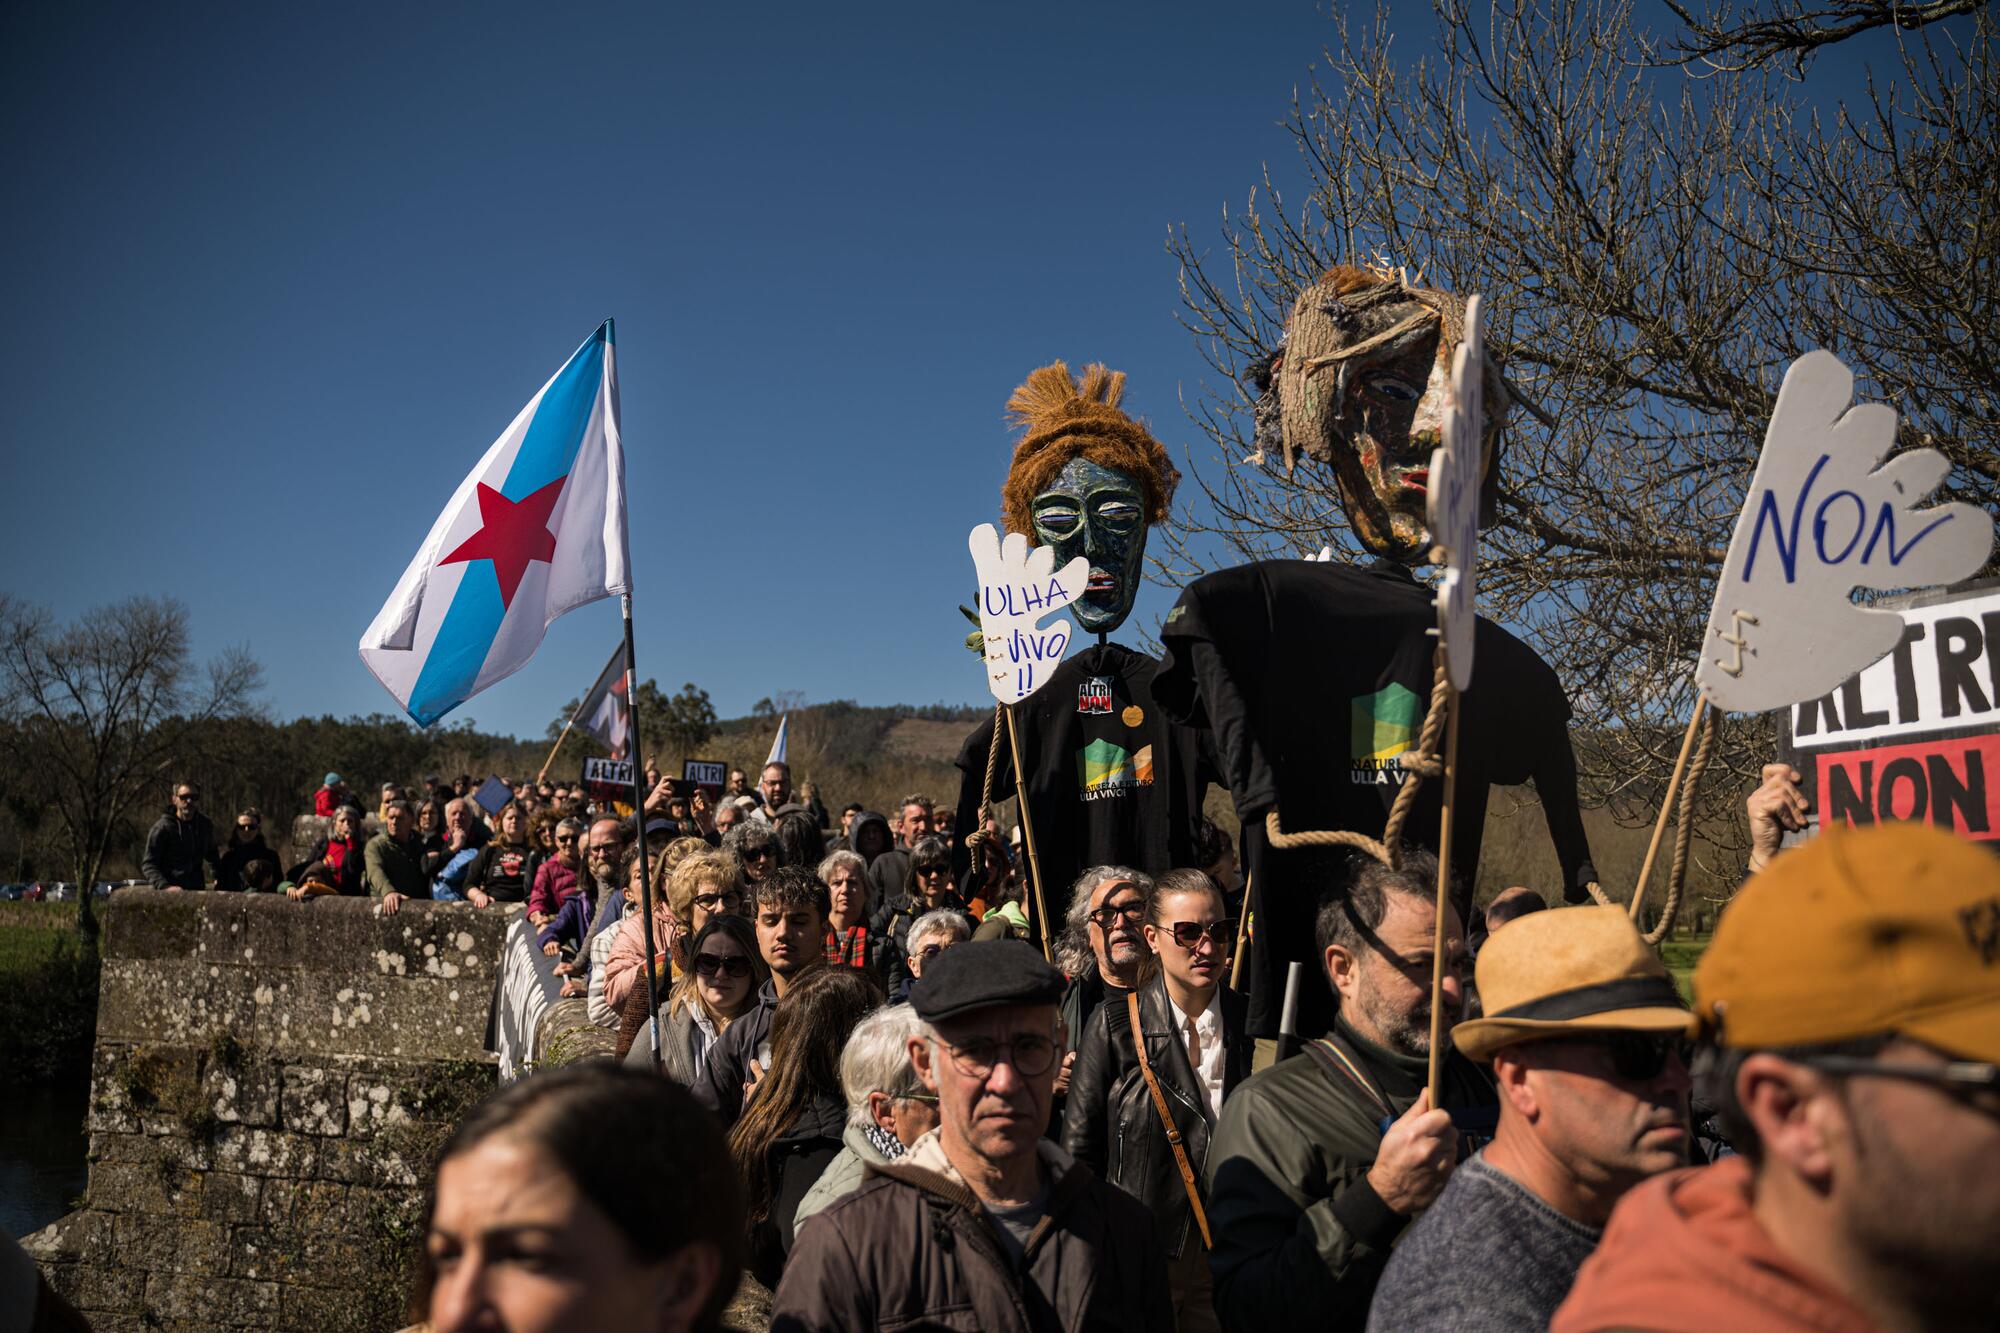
(1105,769)
(1094,695)
(1382,726)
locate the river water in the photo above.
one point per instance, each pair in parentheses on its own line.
(42,1146)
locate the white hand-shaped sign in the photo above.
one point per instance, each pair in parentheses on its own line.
(1821,519)
(1451,503)
(1019,587)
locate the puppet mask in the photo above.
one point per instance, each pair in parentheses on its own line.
(1362,385)
(1093,511)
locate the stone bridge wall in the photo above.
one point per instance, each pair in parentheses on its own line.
(271,1079)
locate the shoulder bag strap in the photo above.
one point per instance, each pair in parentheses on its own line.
(1167,1121)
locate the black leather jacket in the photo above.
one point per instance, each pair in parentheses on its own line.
(1110,1123)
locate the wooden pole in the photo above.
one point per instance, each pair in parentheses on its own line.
(558,745)
(1028,838)
(1242,936)
(1667,806)
(1438,959)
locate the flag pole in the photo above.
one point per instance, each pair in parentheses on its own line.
(639,818)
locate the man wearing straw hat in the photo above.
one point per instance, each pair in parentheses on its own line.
(1585,1035)
(1851,999)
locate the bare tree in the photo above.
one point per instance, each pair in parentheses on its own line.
(1656,241)
(103,709)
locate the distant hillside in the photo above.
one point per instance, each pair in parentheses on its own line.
(874,755)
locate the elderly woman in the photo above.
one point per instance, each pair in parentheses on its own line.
(888,1108)
(930,935)
(855,936)
(754,844)
(928,889)
(335,864)
(703,885)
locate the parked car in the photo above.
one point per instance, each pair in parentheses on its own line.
(34,893)
(62,892)
(11,893)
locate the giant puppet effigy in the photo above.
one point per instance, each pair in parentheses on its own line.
(1317,679)
(1108,778)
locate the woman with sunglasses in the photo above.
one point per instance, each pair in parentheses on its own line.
(719,986)
(1174,1048)
(246,844)
(928,889)
(702,885)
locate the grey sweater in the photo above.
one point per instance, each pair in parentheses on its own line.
(1487,1257)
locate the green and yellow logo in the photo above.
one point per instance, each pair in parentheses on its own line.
(1383,725)
(1105,766)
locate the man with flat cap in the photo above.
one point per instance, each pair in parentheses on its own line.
(1586,1037)
(983,1224)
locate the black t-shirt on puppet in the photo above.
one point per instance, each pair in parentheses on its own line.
(1314,678)
(1111,781)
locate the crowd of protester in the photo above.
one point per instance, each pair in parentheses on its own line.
(857,1080)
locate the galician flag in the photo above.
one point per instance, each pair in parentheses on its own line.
(537,529)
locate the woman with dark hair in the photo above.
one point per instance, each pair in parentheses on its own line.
(793,1126)
(800,843)
(246,844)
(985,885)
(723,977)
(928,889)
(589,1197)
(504,869)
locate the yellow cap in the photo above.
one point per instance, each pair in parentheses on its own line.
(1861,932)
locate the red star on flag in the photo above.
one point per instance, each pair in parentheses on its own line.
(513,535)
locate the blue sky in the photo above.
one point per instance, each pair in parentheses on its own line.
(277,275)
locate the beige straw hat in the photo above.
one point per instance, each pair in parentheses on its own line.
(1576,969)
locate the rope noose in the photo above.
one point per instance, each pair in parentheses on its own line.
(1420,762)
(979,835)
(1683,834)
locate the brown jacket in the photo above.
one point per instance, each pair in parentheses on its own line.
(912,1249)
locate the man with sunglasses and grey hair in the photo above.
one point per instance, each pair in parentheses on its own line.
(1587,1040)
(1849,1007)
(984,1223)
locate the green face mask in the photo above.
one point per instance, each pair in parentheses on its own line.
(1092,511)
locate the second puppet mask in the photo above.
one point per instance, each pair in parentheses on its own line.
(1361,385)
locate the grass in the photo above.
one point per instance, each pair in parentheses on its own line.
(48,995)
(1681,953)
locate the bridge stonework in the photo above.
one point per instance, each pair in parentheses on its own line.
(271,1080)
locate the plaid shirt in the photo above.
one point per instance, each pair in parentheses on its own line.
(848,949)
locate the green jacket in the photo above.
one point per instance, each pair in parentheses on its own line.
(1301,1237)
(395,867)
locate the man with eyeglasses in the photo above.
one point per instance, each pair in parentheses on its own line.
(179,844)
(1320,1162)
(984,1223)
(1107,909)
(788,909)
(1849,1007)
(1586,1037)
(774,789)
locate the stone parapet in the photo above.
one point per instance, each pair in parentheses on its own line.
(270,1084)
